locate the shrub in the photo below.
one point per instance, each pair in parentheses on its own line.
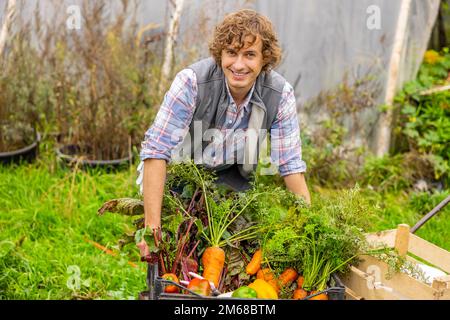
(102,83)
(20,92)
(425,116)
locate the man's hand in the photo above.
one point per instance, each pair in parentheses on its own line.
(143,248)
(296,183)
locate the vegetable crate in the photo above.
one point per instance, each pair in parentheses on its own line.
(370,279)
(156,286)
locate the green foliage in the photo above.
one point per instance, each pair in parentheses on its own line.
(21,93)
(221,211)
(316,240)
(397,263)
(333,121)
(101,83)
(393,208)
(46,213)
(324,155)
(386,173)
(422,141)
(425,117)
(45,218)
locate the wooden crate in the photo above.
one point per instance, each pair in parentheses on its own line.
(368,279)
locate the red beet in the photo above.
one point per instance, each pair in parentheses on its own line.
(191,264)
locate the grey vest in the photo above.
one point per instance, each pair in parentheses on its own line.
(210,111)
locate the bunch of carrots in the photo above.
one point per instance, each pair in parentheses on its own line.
(285,280)
(265,277)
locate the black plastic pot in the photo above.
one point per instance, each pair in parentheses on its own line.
(69,155)
(26,154)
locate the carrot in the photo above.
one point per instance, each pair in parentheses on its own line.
(171,288)
(322,296)
(299,294)
(267,275)
(274,284)
(255,263)
(107,251)
(287,277)
(300,281)
(213,260)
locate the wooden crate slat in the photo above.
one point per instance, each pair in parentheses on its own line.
(351,295)
(405,287)
(445,295)
(357,281)
(430,252)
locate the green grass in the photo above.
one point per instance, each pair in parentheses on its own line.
(46,212)
(45,216)
(400,207)
(389,209)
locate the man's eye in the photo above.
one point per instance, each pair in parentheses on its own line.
(230,52)
(250,54)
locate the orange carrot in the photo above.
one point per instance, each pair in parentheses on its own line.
(322,296)
(299,294)
(267,275)
(300,281)
(213,260)
(171,288)
(287,277)
(255,263)
(274,284)
(107,251)
(103,248)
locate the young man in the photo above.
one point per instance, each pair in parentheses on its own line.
(234,90)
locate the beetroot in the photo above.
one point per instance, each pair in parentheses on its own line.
(191,265)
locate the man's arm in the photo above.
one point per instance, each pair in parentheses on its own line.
(296,183)
(174,115)
(286,145)
(153,189)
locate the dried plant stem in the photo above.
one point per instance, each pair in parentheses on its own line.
(6,27)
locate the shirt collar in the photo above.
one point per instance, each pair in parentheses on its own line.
(247,98)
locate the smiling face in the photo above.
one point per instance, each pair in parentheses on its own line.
(242,66)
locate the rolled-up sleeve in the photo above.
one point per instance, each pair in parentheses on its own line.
(173,119)
(286,150)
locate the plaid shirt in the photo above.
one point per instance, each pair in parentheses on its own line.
(177,110)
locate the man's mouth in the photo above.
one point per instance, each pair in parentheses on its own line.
(239,75)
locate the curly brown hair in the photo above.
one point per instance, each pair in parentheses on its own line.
(237,26)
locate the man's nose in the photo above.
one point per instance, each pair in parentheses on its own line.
(239,63)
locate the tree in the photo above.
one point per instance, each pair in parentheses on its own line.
(170,41)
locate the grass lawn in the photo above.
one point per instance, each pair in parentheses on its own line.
(48,214)
(46,217)
(410,208)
